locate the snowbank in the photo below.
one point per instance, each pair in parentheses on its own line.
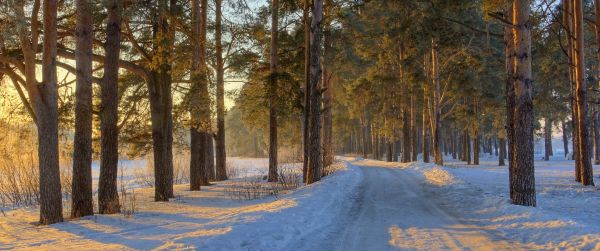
(567,216)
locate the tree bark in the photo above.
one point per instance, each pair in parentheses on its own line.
(327,77)
(45,102)
(509,51)
(565,138)
(108,195)
(502,153)
(425,143)
(524,185)
(315,165)
(199,99)
(161,104)
(413,128)
(82,202)
(583,161)
(436,123)
(221,170)
(273,94)
(547,139)
(307,91)
(405,110)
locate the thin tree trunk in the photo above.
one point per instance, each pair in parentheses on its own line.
(307,91)
(315,167)
(596,132)
(328,90)
(468,148)
(510,99)
(524,190)
(547,139)
(502,153)
(413,129)
(425,143)
(405,109)
(221,171)
(82,201)
(565,138)
(45,103)
(273,94)
(437,111)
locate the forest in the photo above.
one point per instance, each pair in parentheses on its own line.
(290,118)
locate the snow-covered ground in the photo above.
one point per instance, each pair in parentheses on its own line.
(567,215)
(205,220)
(370,205)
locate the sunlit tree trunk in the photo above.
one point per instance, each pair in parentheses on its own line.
(524,183)
(328,78)
(82,201)
(583,161)
(405,111)
(44,99)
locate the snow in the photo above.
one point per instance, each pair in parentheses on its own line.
(566,216)
(366,205)
(206,220)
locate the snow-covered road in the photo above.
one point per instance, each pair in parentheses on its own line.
(393,211)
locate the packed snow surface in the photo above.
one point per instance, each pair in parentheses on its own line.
(368,205)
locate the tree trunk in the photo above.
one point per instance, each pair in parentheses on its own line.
(45,102)
(199,99)
(436,123)
(468,148)
(425,143)
(161,103)
(210,170)
(328,89)
(510,99)
(221,171)
(597,111)
(315,167)
(565,138)
(547,139)
(82,201)
(307,92)
(405,110)
(596,133)
(273,94)
(413,129)
(524,185)
(108,195)
(583,159)
(389,151)
(502,154)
